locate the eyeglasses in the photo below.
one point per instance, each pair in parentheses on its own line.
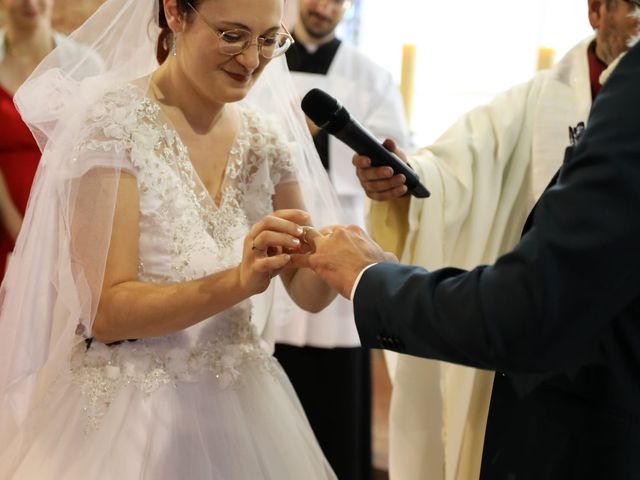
(237,40)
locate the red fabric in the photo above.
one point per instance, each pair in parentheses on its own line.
(596,67)
(19,158)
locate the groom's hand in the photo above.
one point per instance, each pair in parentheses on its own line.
(341,253)
(300,259)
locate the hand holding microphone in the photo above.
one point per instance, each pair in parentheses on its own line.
(326,112)
(381,183)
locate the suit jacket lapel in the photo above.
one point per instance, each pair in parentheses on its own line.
(568,153)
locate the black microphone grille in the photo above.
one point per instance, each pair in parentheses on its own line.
(321,107)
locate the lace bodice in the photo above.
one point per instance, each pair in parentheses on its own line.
(184,235)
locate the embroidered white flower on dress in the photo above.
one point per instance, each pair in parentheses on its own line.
(146,137)
(100,354)
(112,372)
(115,131)
(98,112)
(135,361)
(176,362)
(261,186)
(231,356)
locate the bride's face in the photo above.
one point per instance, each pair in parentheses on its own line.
(221,77)
(26,14)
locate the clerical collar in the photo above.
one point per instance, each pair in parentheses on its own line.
(311,49)
(596,67)
(301,58)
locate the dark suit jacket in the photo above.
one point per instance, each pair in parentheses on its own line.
(558,318)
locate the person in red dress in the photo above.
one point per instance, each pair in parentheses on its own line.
(26,39)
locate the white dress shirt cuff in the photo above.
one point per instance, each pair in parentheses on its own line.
(355,284)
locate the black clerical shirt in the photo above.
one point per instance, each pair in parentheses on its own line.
(300,59)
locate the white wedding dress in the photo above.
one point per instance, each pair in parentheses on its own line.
(208,402)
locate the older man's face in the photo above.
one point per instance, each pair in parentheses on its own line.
(616,26)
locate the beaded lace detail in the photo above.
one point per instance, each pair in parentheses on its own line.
(102,371)
(184,235)
(127,121)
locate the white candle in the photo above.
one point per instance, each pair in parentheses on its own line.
(545,58)
(407,78)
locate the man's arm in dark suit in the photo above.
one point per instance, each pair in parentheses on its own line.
(542,306)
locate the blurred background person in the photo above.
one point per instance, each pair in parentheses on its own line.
(25,39)
(337,397)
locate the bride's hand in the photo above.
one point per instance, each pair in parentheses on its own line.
(268,247)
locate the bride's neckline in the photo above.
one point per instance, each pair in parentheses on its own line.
(217,200)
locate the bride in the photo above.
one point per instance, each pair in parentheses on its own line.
(165,202)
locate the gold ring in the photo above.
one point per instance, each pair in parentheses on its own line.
(305,232)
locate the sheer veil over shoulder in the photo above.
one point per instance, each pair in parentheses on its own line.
(94,123)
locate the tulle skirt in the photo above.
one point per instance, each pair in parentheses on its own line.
(254,429)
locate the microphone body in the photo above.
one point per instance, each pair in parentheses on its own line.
(327,113)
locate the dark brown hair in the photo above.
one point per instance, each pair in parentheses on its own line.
(166,35)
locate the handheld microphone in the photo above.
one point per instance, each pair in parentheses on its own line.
(327,113)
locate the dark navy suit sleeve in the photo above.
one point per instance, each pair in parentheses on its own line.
(541,307)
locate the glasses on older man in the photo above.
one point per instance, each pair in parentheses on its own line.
(236,40)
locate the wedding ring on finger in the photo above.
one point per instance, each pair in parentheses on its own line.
(305,233)
(256,249)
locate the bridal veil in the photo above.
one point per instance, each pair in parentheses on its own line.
(51,290)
